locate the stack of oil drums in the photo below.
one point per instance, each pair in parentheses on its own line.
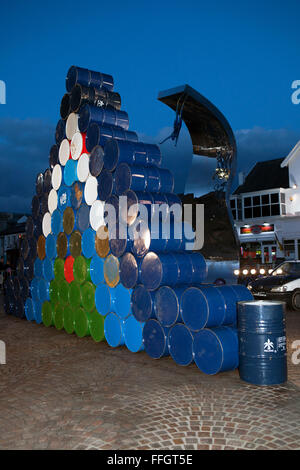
(77,271)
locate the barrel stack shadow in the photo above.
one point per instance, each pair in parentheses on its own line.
(77,274)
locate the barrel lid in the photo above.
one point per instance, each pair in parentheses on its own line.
(131,205)
(47,180)
(111,210)
(155,339)
(73,76)
(56,177)
(96,326)
(96,269)
(113,330)
(56,222)
(142,303)
(87,292)
(111,154)
(133,334)
(37,309)
(29,309)
(64,152)
(123,178)
(75,243)
(70,172)
(141,243)
(39,184)
(63,197)
(59,269)
(68,316)
(68,220)
(58,316)
(97,214)
(122,301)
(77,145)
(72,125)
(48,271)
(91,190)
(44,203)
(102,241)
(53,156)
(88,243)
(52,201)
(180,342)
(77,194)
(111,270)
(84,118)
(68,269)
(41,247)
(53,291)
(81,269)
(60,131)
(74,294)
(65,106)
(50,246)
(151,271)
(46,224)
(105,184)
(38,267)
(63,291)
(208,351)
(96,160)
(75,98)
(93,134)
(118,245)
(81,324)
(194,308)
(129,270)
(167,308)
(62,245)
(83,217)
(83,170)
(103,299)
(43,290)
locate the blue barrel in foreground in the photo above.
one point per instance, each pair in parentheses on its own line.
(262,342)
(167,305)
(155,339)
(201,307)
(142,302)
(216,350)
(180,342)
(133,333)
(114,330)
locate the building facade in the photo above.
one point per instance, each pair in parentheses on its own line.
(266,210)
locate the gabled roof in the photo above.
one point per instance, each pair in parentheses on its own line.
(265,175)
(295,152)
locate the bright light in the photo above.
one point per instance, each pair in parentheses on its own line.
(236,272)
(270,270)
(253,271)
(279,271)
(262,271)
(294,186)
(266,224)
(245,272)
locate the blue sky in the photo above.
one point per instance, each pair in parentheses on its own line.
(243,56)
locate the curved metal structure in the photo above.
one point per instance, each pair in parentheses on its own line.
(211,136)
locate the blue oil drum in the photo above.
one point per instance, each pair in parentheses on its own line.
(29,268)
(82,219)
(103,299)
(97,135)
(114,330)
(180,343)
(96,160)
(121,300)
(77,194)
(48,269)
(231,300)
(202,307)
(77,75)
(133,334)
(32,248)
(262,342)
(141,178)
(53,156)
(37,231)
(142,303)
(35,206)
(242,292)
(96,270)
(63,197)
(37,311)
(130,268)
(43,290)
(44,203)
(166,180)
(34,288)
(51,252)
(19,308)
(60,131)
(167,305)
(153,180)
(111,210)
(47,184)
(216,349)
(101,80)
(105,185)
(133,153)
(148,240)
(70,172)
(113,117)
(134,198)
(158,270)
(29,311)
(155,339)
(38,267)
(56,222)
(88,243)
(119,240)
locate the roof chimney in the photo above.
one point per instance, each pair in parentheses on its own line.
(241,178)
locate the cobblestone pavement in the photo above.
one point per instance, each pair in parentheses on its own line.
(61,392)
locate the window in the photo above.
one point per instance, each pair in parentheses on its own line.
(235,205)
(265,205)
(289,249)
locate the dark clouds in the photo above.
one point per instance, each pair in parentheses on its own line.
(24,150)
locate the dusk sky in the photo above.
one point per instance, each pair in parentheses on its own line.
(242,56)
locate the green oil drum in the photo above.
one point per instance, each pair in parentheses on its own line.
(47,314)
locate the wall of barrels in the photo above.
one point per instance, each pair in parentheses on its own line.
(73,274)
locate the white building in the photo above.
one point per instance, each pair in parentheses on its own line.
(266,210)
